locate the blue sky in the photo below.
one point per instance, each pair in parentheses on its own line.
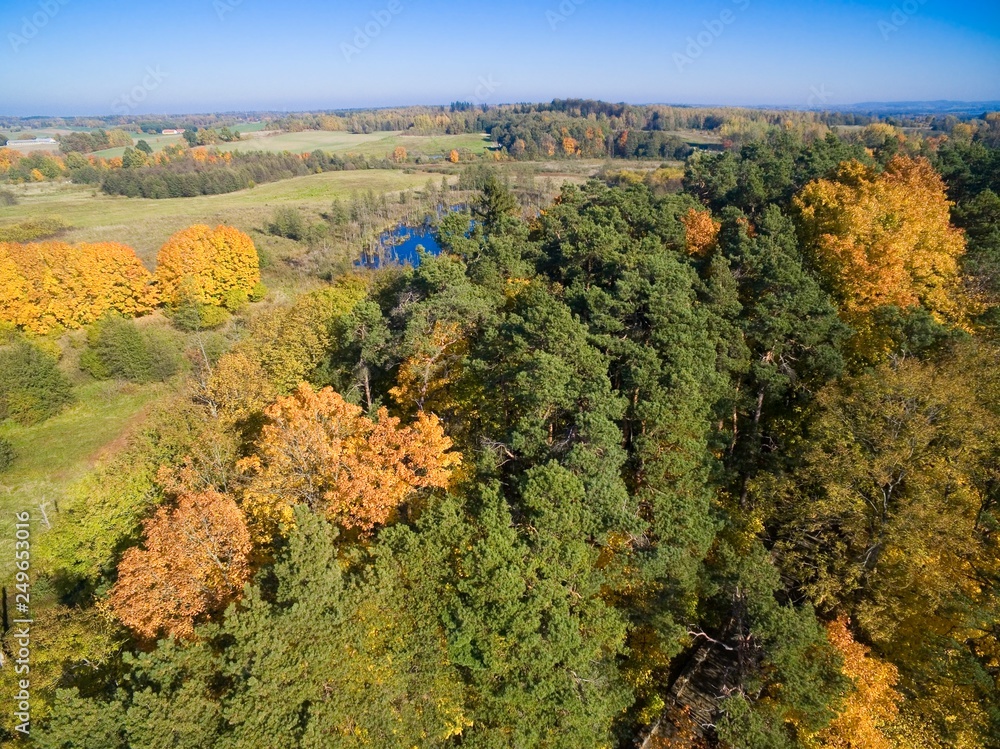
(100,57)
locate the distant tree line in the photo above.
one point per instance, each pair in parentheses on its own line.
(97,140)
(189,178)
(461,117)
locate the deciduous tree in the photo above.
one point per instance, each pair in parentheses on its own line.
(208,266)
(885,239)
(195,561)
(321,451)
(48,285)
(702,232)
(872,706)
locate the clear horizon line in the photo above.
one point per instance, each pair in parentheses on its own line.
(974,103)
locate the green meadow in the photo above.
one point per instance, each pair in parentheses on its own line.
(374,144)
(146,224)
(52,455)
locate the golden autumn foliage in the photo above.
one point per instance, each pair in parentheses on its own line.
(885,239)
(426,374)
(454,157)
(196,560)
(208,266)
(701,232)
(872,707)
(239,388)
(290,343)
(399,155)
(48,285)
(321,451)
(8,157)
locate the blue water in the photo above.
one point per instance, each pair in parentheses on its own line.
(399,246)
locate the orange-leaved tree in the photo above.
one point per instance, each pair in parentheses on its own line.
(870,710)
(207,266)
(701,232)
(196,561)
(885,239)
(48,285)
(321,451)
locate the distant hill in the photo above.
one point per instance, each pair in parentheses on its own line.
(921,107)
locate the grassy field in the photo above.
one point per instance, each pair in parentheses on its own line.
(698,137)
(54,454)
(146,224)
(249,127)
(156,142)
(375,144)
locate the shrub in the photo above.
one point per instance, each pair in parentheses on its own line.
(32,388)
(118,348)
(32,230)
(287,223)
(258,293)
(235,299)
(7,198)
(191,316)
(7,454)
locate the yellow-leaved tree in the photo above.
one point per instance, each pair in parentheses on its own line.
(321,451)
(217,267)
(283,348)
(45,286)
(885,239)
(431,368)
(873,705)
(701,232)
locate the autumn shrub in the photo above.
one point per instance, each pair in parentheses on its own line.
(7,454)
(258,292)
(32,388)
(191,315)
(117,348)
(32,230)
(7,198)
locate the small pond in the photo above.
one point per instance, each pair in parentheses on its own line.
(399,246)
